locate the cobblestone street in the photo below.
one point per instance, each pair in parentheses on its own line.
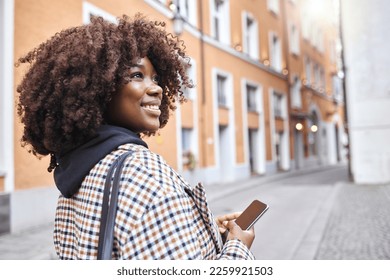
(317,215)
(358,225)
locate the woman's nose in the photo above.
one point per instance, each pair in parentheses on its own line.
(155,89)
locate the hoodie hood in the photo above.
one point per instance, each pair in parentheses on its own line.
(74,165)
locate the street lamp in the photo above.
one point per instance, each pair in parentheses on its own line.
(299,126)
(178,23)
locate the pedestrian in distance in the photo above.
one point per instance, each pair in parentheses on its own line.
(93,93)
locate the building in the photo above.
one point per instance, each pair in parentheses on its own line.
(267,96)
(368,88)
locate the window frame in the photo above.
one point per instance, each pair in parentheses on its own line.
(221,83)
(308,69)
(186,137)
(250,35)
(252,95)
(279,102)
(273,6)
(296,98)
(190,93)
(222,32)
(294,39)
(275,51)
(90,9)
(191,14)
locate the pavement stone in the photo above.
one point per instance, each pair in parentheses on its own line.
(359,225)
(33,244)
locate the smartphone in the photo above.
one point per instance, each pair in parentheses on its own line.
(251,214)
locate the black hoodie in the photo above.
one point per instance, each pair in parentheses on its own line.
(74,165)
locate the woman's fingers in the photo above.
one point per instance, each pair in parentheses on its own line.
(223,219)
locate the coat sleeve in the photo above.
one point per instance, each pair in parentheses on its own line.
(234,249)
(165,231)
(158,220)
(170,230)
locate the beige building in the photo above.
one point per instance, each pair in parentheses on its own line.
(267,95)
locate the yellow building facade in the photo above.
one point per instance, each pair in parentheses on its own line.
(267,97)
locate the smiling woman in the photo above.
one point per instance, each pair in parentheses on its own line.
(137,104)
(89,96)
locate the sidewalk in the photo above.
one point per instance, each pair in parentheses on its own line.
(358,226)
(37,243)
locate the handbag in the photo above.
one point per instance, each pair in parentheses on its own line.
(107,221)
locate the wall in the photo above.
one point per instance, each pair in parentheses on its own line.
(365,30)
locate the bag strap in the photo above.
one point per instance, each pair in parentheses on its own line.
(107,221)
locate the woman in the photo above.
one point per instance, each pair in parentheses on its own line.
(90,94)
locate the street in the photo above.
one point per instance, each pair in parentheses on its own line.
(318,215)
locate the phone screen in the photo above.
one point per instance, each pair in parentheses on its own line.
(251,214)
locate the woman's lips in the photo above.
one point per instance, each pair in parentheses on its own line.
(153,109)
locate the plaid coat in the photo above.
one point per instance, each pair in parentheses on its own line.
(159,216)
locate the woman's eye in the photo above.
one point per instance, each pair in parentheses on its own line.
(137,75)
(156,79)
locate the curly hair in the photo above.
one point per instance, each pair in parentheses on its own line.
(73,76)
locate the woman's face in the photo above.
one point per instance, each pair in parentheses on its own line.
(137,104)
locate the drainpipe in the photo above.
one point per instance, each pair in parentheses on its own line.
(344,69)
(287,66)
(203,88)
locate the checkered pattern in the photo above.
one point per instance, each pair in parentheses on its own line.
(159,216)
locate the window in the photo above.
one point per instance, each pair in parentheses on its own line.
(186,139)
(187,9)
(183,8)
(332,51)
(273,6)
(251,37)
(91,10)
(305,25)
(316,72)
(319,76)
(220,20)
(278,105)
(221,90)
(188,153)
(308,70)
(294,39)
(337,88)
(316,36)
(319,40)
(276,52)
(296,100)
(189,93)
(278,136)
(322,78)
(312,33)
(251,96)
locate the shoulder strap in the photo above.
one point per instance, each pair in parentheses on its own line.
(107,221)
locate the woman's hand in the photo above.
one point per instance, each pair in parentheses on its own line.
(224,219)
(246,236)
(226,222)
